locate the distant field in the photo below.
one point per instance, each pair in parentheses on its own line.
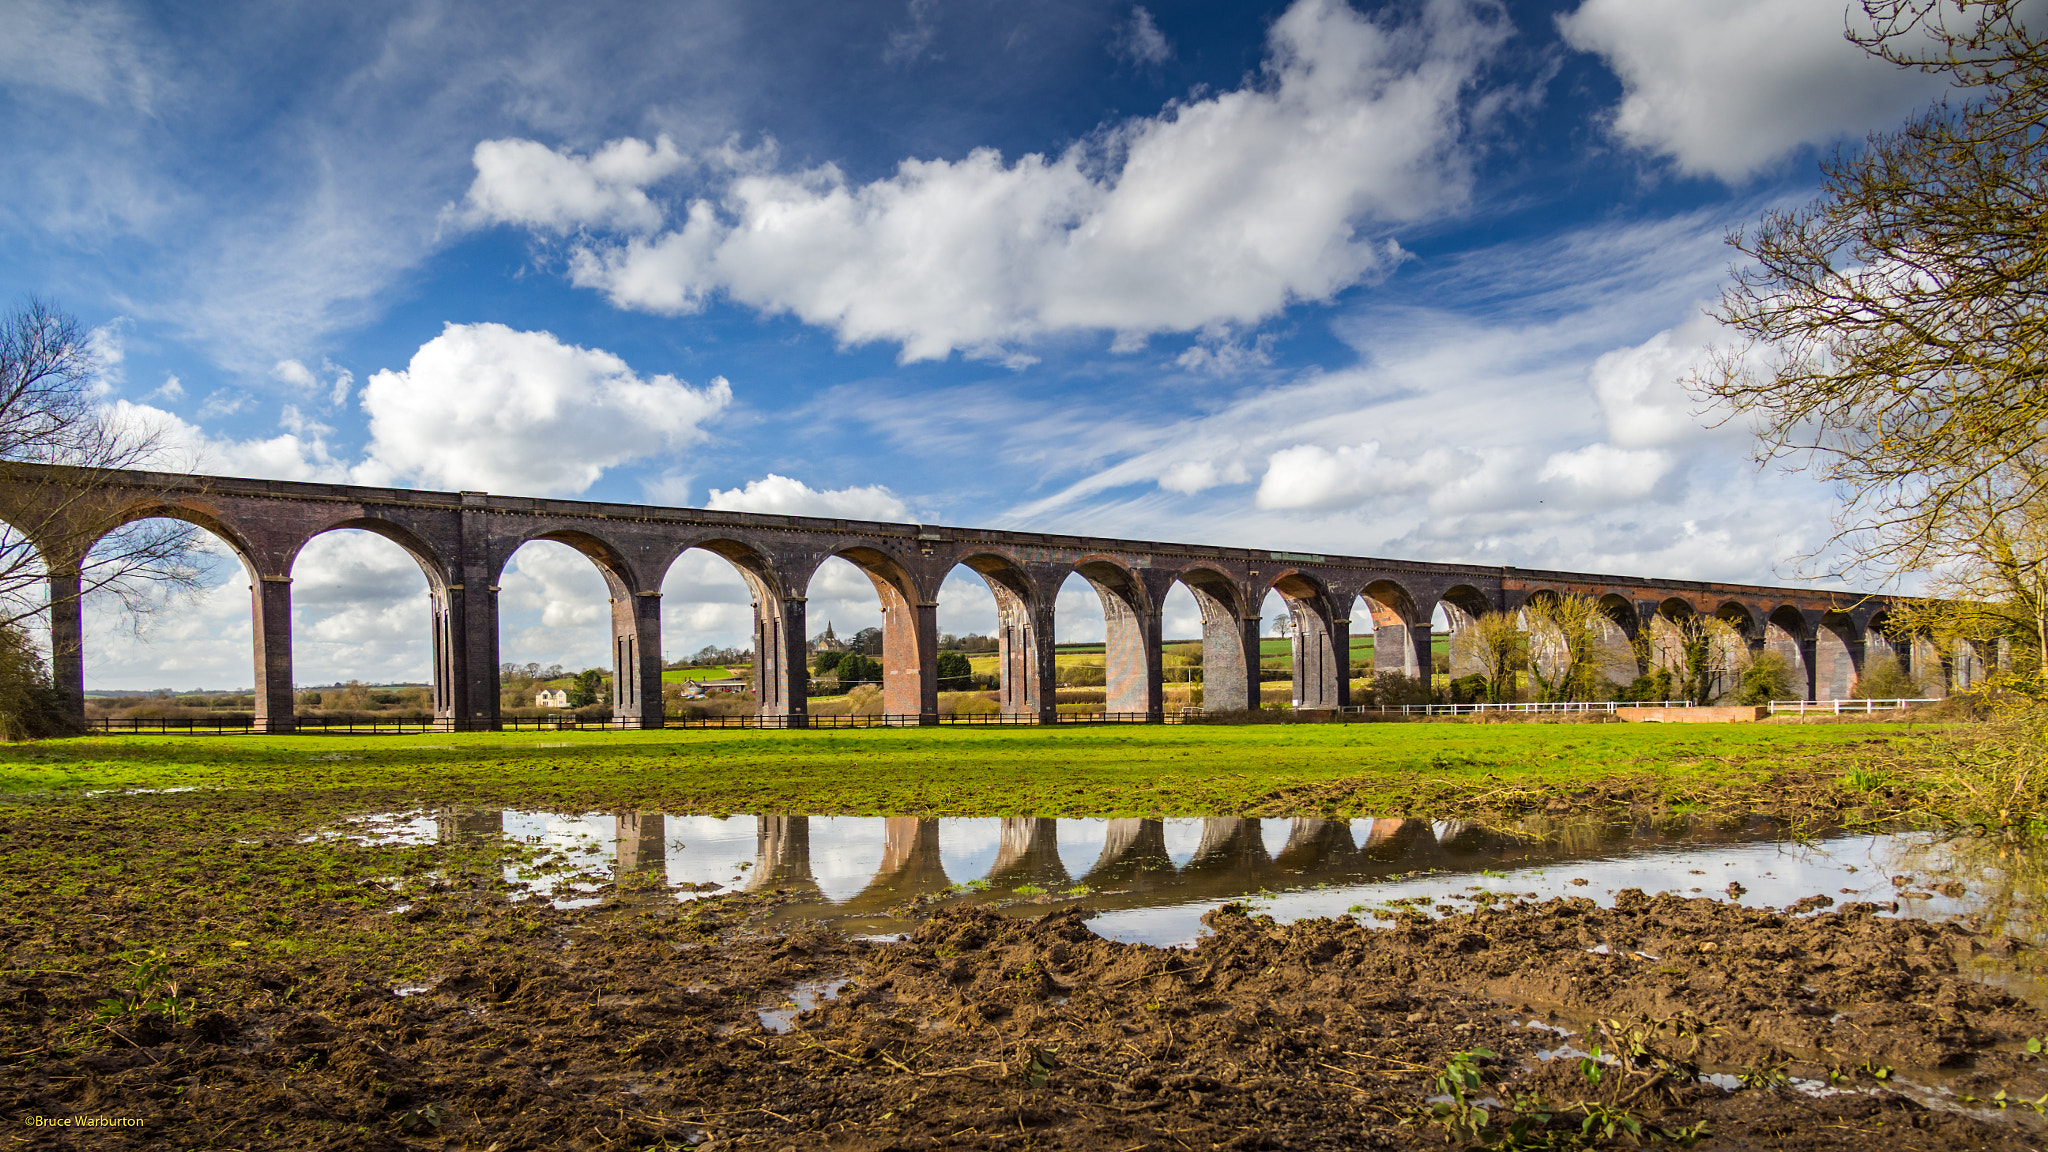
(678,675)
(1119,770)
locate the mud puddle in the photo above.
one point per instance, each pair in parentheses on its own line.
(1153,881)
(638,980)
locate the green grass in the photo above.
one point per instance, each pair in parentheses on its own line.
(678,675)
(1191,770)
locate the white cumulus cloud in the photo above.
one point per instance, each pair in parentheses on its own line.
(1602,472)
(521,182)
(1314,477)
(1642,388)
(485,407)
(783,496)
(1219,210)
(1726,87)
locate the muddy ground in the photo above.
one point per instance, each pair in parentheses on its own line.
(637,1025)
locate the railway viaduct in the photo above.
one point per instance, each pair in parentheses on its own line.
(463,540)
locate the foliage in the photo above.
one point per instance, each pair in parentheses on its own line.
(968,643)
(2000,778)
(854,668)
(1080,675)
(1656,684)
(1701,653)
(1884,678)
(867,642)
(151,989)
(1460,1083)
(588,688)
(1894,328)
(1994,588)
(30,708)
(1768,677)
(954,671)
(1472,689)
(1497,646)
(827,661)
(967,704)
(1565,634)
(1390,690)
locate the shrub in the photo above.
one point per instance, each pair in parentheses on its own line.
(967,704)
(855,668)
(827,661)
(1768,678)
(1390,690)
(1884,679)
(1655,685)
(955,672)
(864,700)
(1468,689)
(30,708)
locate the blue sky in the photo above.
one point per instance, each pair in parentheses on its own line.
(1409,279)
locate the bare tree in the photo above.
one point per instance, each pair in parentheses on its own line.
(1565,634)
(1896,329)
(59,520)
(1498,646)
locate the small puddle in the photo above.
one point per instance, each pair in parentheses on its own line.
(802,999)
(1151,881)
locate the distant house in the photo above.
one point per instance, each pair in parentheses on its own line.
(551,698)
(829,642)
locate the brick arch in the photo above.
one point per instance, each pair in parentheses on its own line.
(635,622)
(1463,605)
(1130,642)
(423,552)
(194,514)
(1400,632)
(1837,656)
(910,635)
(1320,652)
(618,572)
(1787,633)
(1024,678)
(1230,637)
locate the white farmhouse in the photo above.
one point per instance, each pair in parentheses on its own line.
(551,698)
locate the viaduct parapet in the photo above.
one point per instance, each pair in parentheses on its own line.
(463,540)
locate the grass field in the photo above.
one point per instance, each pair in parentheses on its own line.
(1191,770)
(678,675)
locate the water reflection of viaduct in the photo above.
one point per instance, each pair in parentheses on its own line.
(463,541)
(1133,868)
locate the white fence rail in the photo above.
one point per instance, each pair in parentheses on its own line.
(1838,707)
(1565,706)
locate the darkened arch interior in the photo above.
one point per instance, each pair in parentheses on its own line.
(1130,643)
(1023,642)
(1230,640)
(1320,648)
(1400,635)
(1785,633)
